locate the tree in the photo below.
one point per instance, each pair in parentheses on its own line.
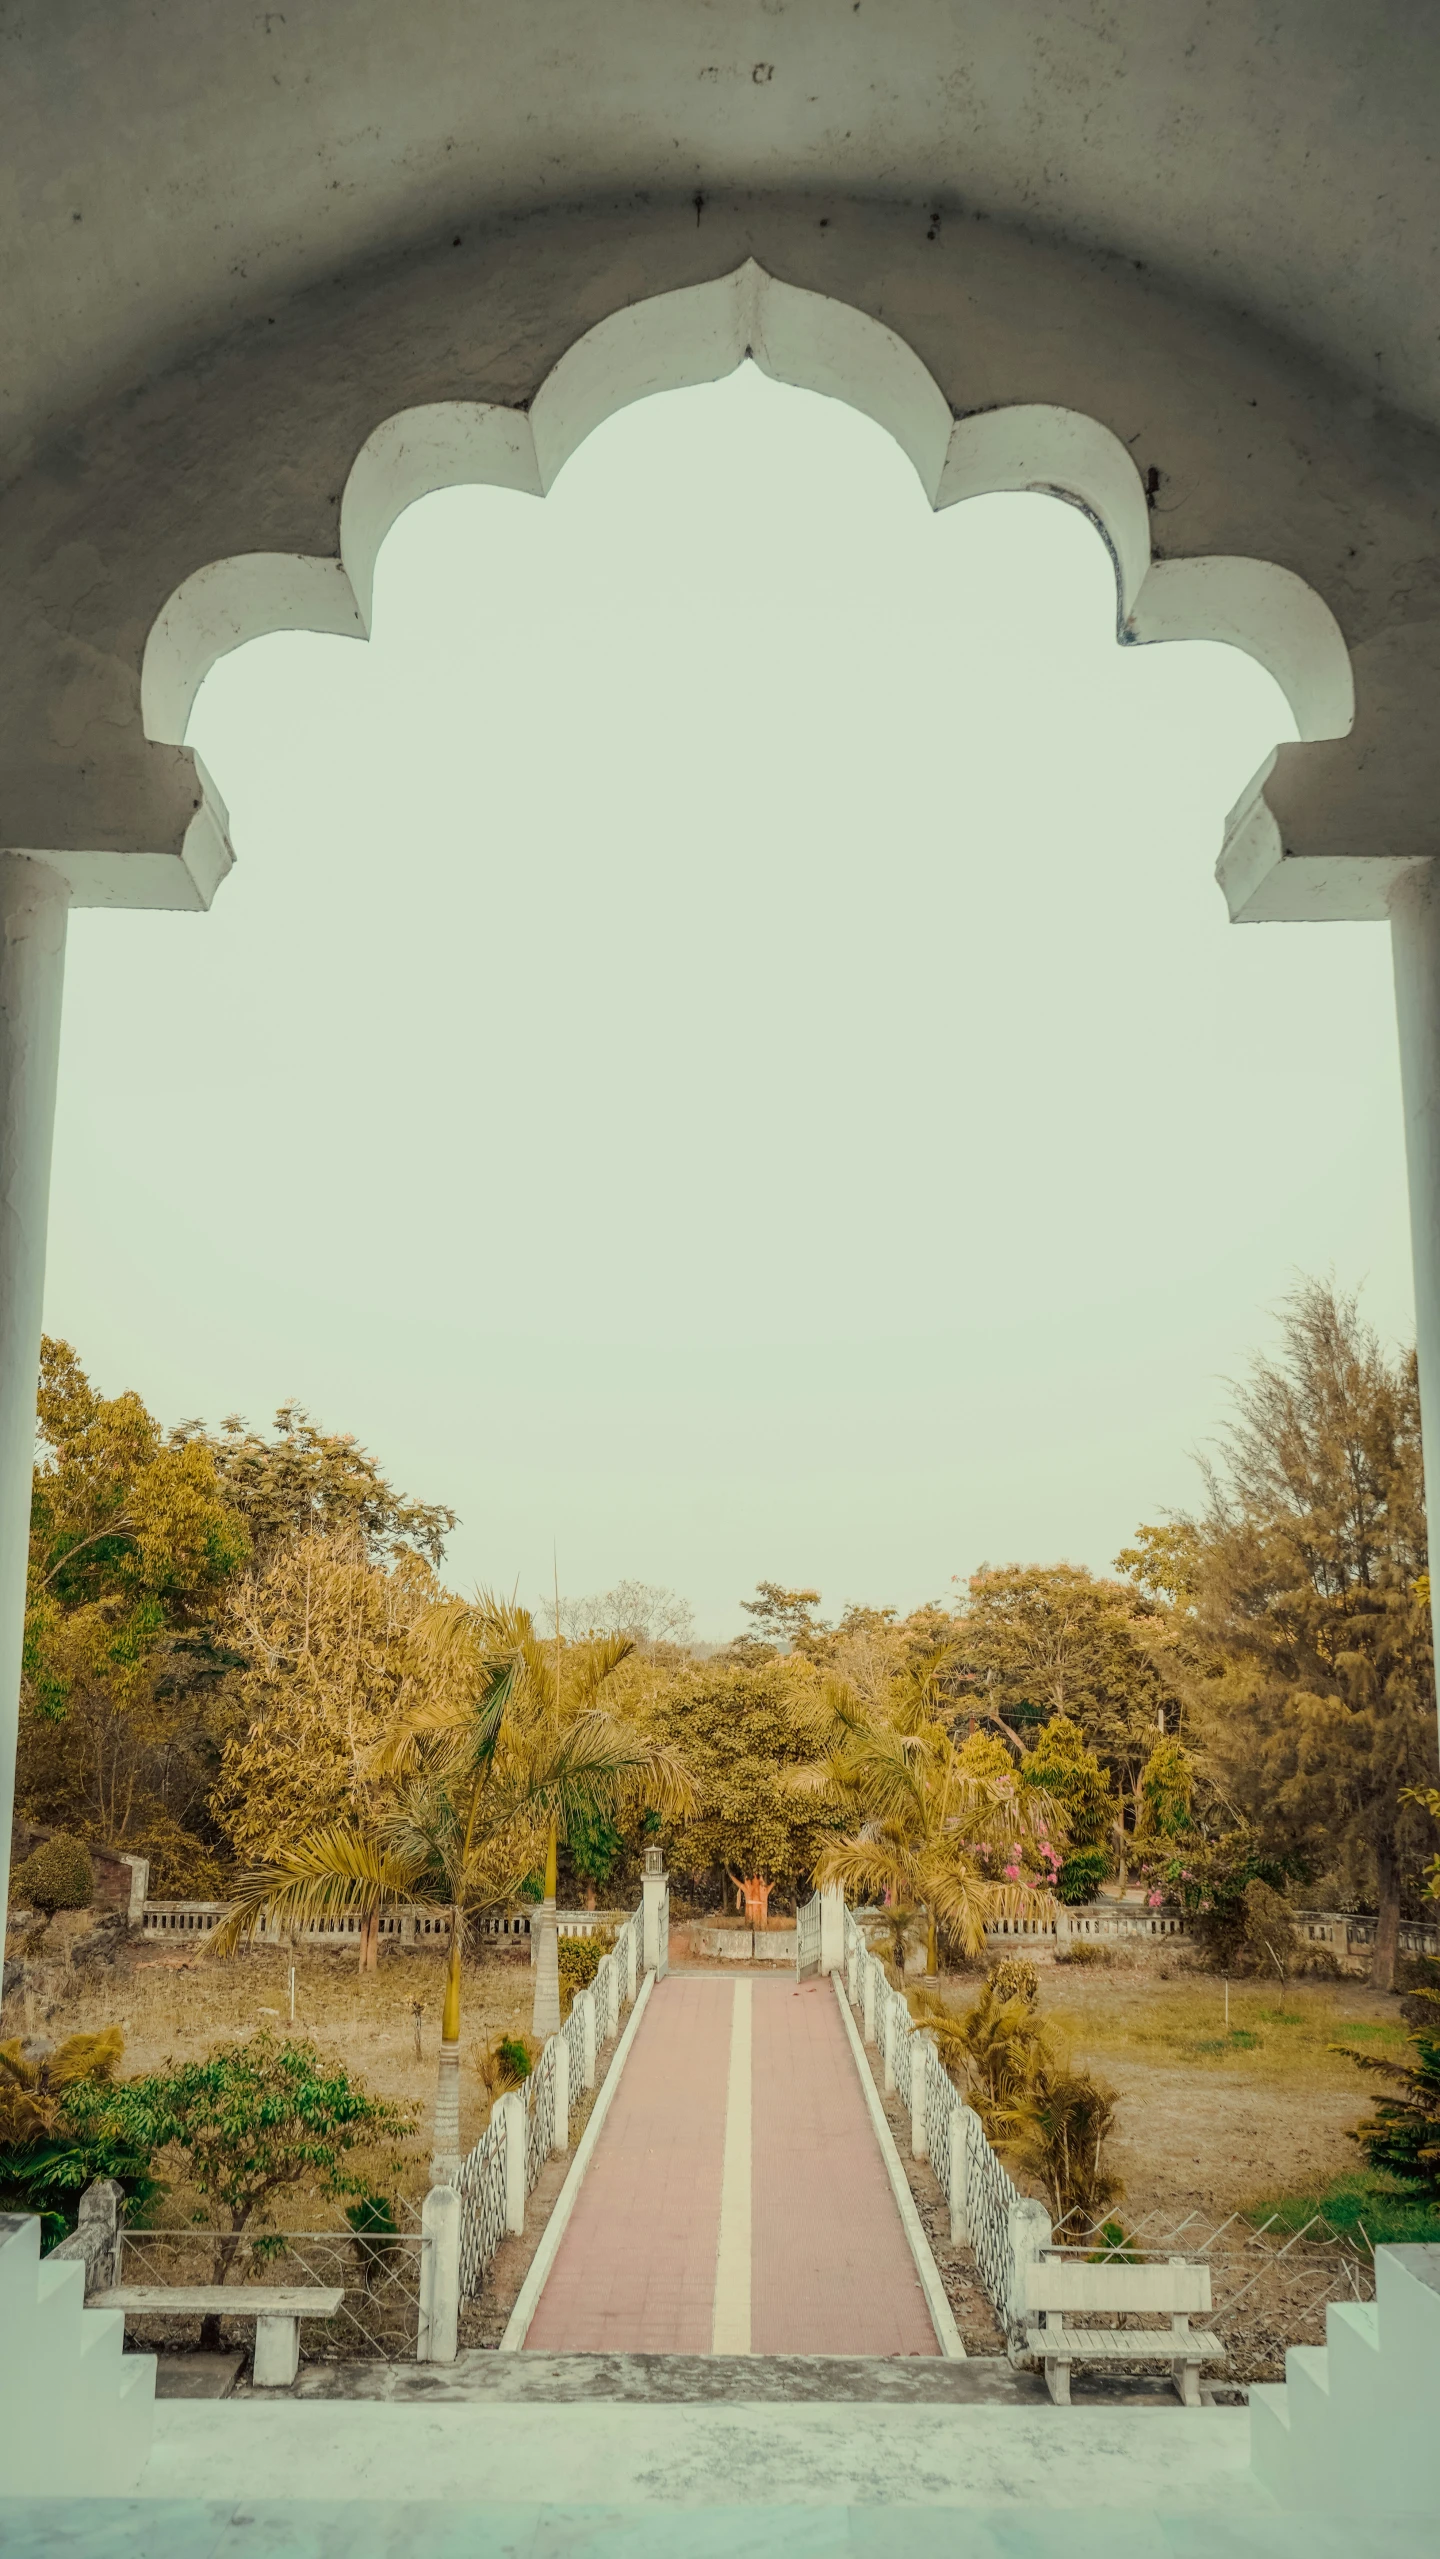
(947,1829)
(255,2119)
(1036,1641)
(1064,1768)
(744,1731)
(1318,1718)
(783,1619)
(485,1765)
(653,1618)
(306,1482)
(125,1701)
(326,1633)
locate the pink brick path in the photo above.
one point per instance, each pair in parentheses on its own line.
(636,2267)
(831,2272)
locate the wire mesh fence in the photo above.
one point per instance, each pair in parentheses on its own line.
(1270,2286)
(378,2272)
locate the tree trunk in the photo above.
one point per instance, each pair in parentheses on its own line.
(370,1942)
(1387,1904)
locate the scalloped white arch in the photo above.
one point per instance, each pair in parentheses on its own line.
(677,340)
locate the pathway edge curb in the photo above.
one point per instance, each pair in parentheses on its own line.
(527,2300)
(942,2317)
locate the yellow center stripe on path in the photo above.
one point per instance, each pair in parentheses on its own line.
(731,2331)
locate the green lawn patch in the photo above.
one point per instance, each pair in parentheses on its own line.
(1371,2210)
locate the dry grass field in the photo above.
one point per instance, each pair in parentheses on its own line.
(1213,2117)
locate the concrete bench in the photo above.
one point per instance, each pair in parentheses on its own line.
(277,2310)
(1059,2288)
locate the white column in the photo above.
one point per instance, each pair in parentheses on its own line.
(438,2339)
(832,1929)
(871,1974)
(1415,947)
(652,1889)
(586,2005)
(34,904)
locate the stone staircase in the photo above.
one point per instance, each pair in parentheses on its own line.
(76,2412)
(1353,2427)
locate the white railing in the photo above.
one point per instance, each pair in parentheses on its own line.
(1003,2227)
(538,2115)
(404,1927)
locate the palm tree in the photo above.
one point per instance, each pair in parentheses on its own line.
(946,1830)
(481,1767)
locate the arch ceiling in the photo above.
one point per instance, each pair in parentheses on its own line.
(272,273)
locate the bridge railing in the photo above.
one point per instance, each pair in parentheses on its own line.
(1003,2228)
(493,2185)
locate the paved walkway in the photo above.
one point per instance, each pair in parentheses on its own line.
(737,2201)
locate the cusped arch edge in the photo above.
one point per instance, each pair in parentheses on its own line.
(809,341)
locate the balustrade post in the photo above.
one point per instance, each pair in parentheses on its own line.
(509,2113)
(961,2119)
(653,1904)
(438,2337)
(1030,2235)
(632,1964)
(920,2051)
(888,2041)
(560,2137)
(869,1969)
(586,2006)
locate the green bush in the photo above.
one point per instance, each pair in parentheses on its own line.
(1081,1875)
(57,1875)
(580,1959)
(1085,1950)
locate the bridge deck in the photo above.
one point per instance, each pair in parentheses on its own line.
(737,2201)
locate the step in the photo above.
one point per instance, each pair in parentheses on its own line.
(266,2529)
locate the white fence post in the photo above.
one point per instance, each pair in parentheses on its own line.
(586,2005)
(870,1973)
(438,2339)
(509,2112)
(1030,2235)
(560,2136)
(832,1928)
(920,2051)
(890,2037)
(961,2119)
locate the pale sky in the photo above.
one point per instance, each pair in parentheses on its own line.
(722,1054)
